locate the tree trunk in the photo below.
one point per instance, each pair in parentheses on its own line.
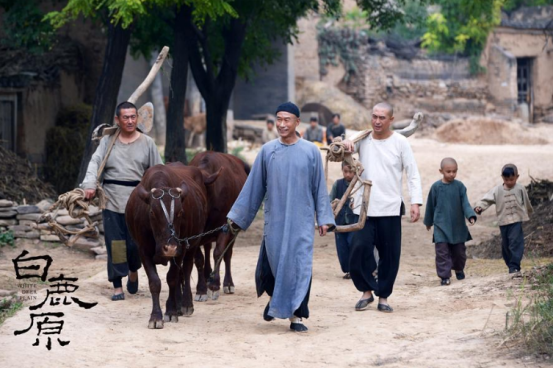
(216,124)
(105,99)
(159,107)
(217,91)
(175,133)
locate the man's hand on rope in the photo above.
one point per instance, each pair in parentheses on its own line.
(90,193)
(349,145)
(234,227)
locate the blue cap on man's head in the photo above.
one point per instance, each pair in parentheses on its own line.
(289,107)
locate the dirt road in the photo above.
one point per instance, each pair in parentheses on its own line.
(432,326)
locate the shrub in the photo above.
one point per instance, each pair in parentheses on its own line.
(6,238)
(530,321)
(65,145)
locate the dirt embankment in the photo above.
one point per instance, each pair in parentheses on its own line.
(491,131)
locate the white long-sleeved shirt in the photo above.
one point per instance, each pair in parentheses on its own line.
(384,160)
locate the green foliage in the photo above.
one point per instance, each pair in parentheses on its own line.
(23,26)
(532,321)
(127,12)
(6,238)
(462,26)
(342,44)
(151,20)
(237,152)
(7,310)
(65,144)
(340,38)
(355,19)
(191,152)
(413,25)
(152,31)
(269,23)
(123,11)
(510,5)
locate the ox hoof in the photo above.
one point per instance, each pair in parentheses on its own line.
(201,298)
(214,295)
(156,324)
(170,318)
(187,311)
(229,289)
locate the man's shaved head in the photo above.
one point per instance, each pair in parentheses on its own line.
(386,106)
(448,161)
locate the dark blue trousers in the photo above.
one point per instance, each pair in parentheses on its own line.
(512,245)
(385,233)
(123,254)
(344,241)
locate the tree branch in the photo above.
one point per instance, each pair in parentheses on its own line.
(234,39)
(203,83)
(208,62)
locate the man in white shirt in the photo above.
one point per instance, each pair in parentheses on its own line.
(384,155)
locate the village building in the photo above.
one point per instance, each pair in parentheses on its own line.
(519,63)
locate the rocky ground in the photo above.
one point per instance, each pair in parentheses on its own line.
(461,325)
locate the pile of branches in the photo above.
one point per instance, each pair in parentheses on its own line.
(18,180)
(537,231)
(540,191)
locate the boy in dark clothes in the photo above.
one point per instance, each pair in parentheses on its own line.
(512,208)
(344,217)
(447,208)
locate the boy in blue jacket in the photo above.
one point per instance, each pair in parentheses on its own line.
(447,209)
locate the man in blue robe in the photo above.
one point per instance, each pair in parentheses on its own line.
(289,172)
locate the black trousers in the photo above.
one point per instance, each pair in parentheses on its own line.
(449,257)
(512,245)
(265,282)
(123,254)
(385,233)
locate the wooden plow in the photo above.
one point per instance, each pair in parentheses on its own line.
(336,152)
(74,201)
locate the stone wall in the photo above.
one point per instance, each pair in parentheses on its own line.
(27,222)
(441,86)
(433,86)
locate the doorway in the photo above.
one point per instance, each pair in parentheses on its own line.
(8,119)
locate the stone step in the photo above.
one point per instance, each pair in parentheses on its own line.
(26,234)
(29,216)
(6,203)
(8,214)
(22,210)
(50,238)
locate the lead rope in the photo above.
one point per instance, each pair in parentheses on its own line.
(235,232)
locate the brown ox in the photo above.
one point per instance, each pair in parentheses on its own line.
(182,190)
(221,196)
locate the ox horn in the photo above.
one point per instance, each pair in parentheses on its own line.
(143,194)
(414,125)
(183,190)
(209,179)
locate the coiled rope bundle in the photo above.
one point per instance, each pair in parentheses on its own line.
(78,207)
(337,153)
